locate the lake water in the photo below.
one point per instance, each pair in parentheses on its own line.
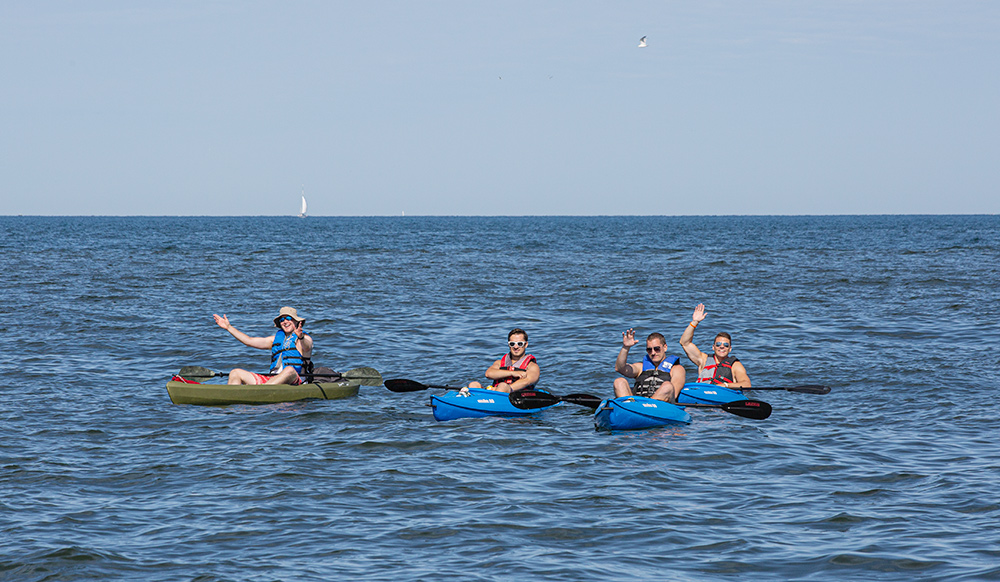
(892,476)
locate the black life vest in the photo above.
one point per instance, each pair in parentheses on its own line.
(652,376)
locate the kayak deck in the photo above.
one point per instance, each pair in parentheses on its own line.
(478,403)
(223,394)
(704,393)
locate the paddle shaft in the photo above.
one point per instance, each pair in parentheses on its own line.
(804,389)
(218,374)
(358,373)
(406,385)
(527,399)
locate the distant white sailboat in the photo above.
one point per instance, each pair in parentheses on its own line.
(302,213)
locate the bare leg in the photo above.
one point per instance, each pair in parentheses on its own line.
(665,392)
(622,388)
(240,376)
(287,375)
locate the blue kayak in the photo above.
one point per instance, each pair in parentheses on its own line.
(478,403)
(703,393)
(632,412)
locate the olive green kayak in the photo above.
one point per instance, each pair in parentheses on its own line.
(222,394)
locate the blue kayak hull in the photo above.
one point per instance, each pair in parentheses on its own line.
(635,412)
(478,403)
(702,393)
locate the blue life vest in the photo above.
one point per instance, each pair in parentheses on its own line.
(284,352)
(652,377)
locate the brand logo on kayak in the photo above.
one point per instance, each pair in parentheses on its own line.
(485,401)
(648,405)
(710,392)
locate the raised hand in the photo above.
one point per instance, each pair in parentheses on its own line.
(222,321)
(699,313)
(628,338)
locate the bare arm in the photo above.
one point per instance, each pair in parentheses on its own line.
(262,343)
(522,378)
(621,362)
(677,377)
(527,377)
(495,372)
(304,343)
(740,376)
(687,338)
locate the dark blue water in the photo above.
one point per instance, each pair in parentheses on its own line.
(892,476)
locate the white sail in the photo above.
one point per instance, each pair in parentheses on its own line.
(302,214)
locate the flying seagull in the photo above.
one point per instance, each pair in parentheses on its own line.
(642,42)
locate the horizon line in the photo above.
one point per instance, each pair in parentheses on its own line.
(476,215)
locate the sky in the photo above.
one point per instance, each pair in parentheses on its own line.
(440,107)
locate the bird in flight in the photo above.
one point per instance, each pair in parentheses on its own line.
(642,42)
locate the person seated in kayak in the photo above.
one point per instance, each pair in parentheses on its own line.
(516,369)
(657,376)
(290,350)
(720,367)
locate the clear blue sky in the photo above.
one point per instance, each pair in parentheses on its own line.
(514,107)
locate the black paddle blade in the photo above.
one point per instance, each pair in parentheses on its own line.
(529,398)
(404,385)
(754,409)
(588,400)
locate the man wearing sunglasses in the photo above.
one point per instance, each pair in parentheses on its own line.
(718,368)
(658,376)
(290,350)
(516,369)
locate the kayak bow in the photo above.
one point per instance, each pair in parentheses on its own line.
(635,412)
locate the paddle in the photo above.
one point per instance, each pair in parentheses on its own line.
(753,409)
(527,399)
(805,389)
(404,385)
(368,376)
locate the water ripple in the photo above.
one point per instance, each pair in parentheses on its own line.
(892,476)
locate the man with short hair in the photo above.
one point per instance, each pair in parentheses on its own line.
(658,376)
(515,369)
(720,367)
(290,348)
